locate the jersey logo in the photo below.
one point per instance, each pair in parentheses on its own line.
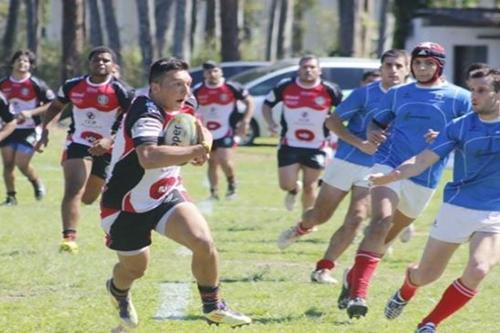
(304,135)
(320,100)
(90,121)
(102,99)
(213,125)
(25,91)
(90,137)
(158,189)
(224,97)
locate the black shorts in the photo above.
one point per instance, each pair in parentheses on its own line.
(225,142)
(100,164)
(132,231)
(309,157)
(24,136)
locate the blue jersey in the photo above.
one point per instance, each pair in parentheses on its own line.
(476,171)
(410,111)
(358,110)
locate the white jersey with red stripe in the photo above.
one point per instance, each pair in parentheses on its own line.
(26,94)
(129,186)
(216,104)
(304,111)
(95,107)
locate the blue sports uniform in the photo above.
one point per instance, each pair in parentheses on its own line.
(358,110)
(476,174)
(410,111)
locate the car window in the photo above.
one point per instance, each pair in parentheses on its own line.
(251,75)
(265,87)
(233,70)
(197,76)
(346,78)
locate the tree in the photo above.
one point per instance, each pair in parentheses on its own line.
(382,28)
(145,39)
(9,37)
(96,38)
(404,11)
(180,46)
(33,26)
(210,23)
(271,32)
(73,36)
(194,21)
(349,27)
(284,40)
(230,42)
(162,22)
(112,30)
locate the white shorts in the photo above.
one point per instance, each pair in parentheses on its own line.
(413,198)
(455,224)
(344,175)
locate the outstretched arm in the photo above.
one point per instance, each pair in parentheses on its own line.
(410,168)
(335,124)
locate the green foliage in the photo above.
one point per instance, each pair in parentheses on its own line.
(132,67)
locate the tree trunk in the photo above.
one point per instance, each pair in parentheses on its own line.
(33,26)
(403,13)
(271,32)
(96,38)
(210,23)
(285,29)
(382,28)
(145,39)
(162,22)
(230,42)
(192,29)
(73,36)
(180,47)
(349,27)
(112,30)
(9,37)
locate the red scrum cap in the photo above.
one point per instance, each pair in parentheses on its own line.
(430,50)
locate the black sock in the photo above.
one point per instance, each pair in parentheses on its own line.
(210,298)
(11,194)
(69,234)
(118,293)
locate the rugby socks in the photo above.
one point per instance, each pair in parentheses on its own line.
(210,298)
(69,234)
(325,264)
(454,298)
(301,230)
(408,289)
(117,293)
(361,273)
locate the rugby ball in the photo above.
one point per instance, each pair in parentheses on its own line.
(181,131)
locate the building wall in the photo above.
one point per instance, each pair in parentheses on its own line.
(449,37)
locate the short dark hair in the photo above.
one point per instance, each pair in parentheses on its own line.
(24,52)
(475,66)
(101,49)
(210,64)
(308,57)
(370,73)
(487,72)
(164,65)
(395,53)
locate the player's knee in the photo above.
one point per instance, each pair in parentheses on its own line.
(135,273)
(379,227)
(477,271)
(309,188)
(203,245)
(354,220)
(8,167)
(89,199)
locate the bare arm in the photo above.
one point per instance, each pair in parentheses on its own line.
(26,114)
(152,156)
(336,125)
(410,168)
(375,134)
(244,124)
(267,112)
(7,129)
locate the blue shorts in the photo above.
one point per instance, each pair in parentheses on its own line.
(21,140)
(20,147)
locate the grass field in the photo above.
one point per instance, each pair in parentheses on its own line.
(44,291)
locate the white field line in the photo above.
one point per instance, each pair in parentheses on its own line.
(206,207)
(174,300)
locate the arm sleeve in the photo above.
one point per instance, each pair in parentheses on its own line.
(447,139)
(351,105)
(144,122)
(5,110)
(238,90)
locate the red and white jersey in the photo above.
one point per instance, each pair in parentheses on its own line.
(26,94)
(95,107)
(129,186)
(304,111)
(216,104)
